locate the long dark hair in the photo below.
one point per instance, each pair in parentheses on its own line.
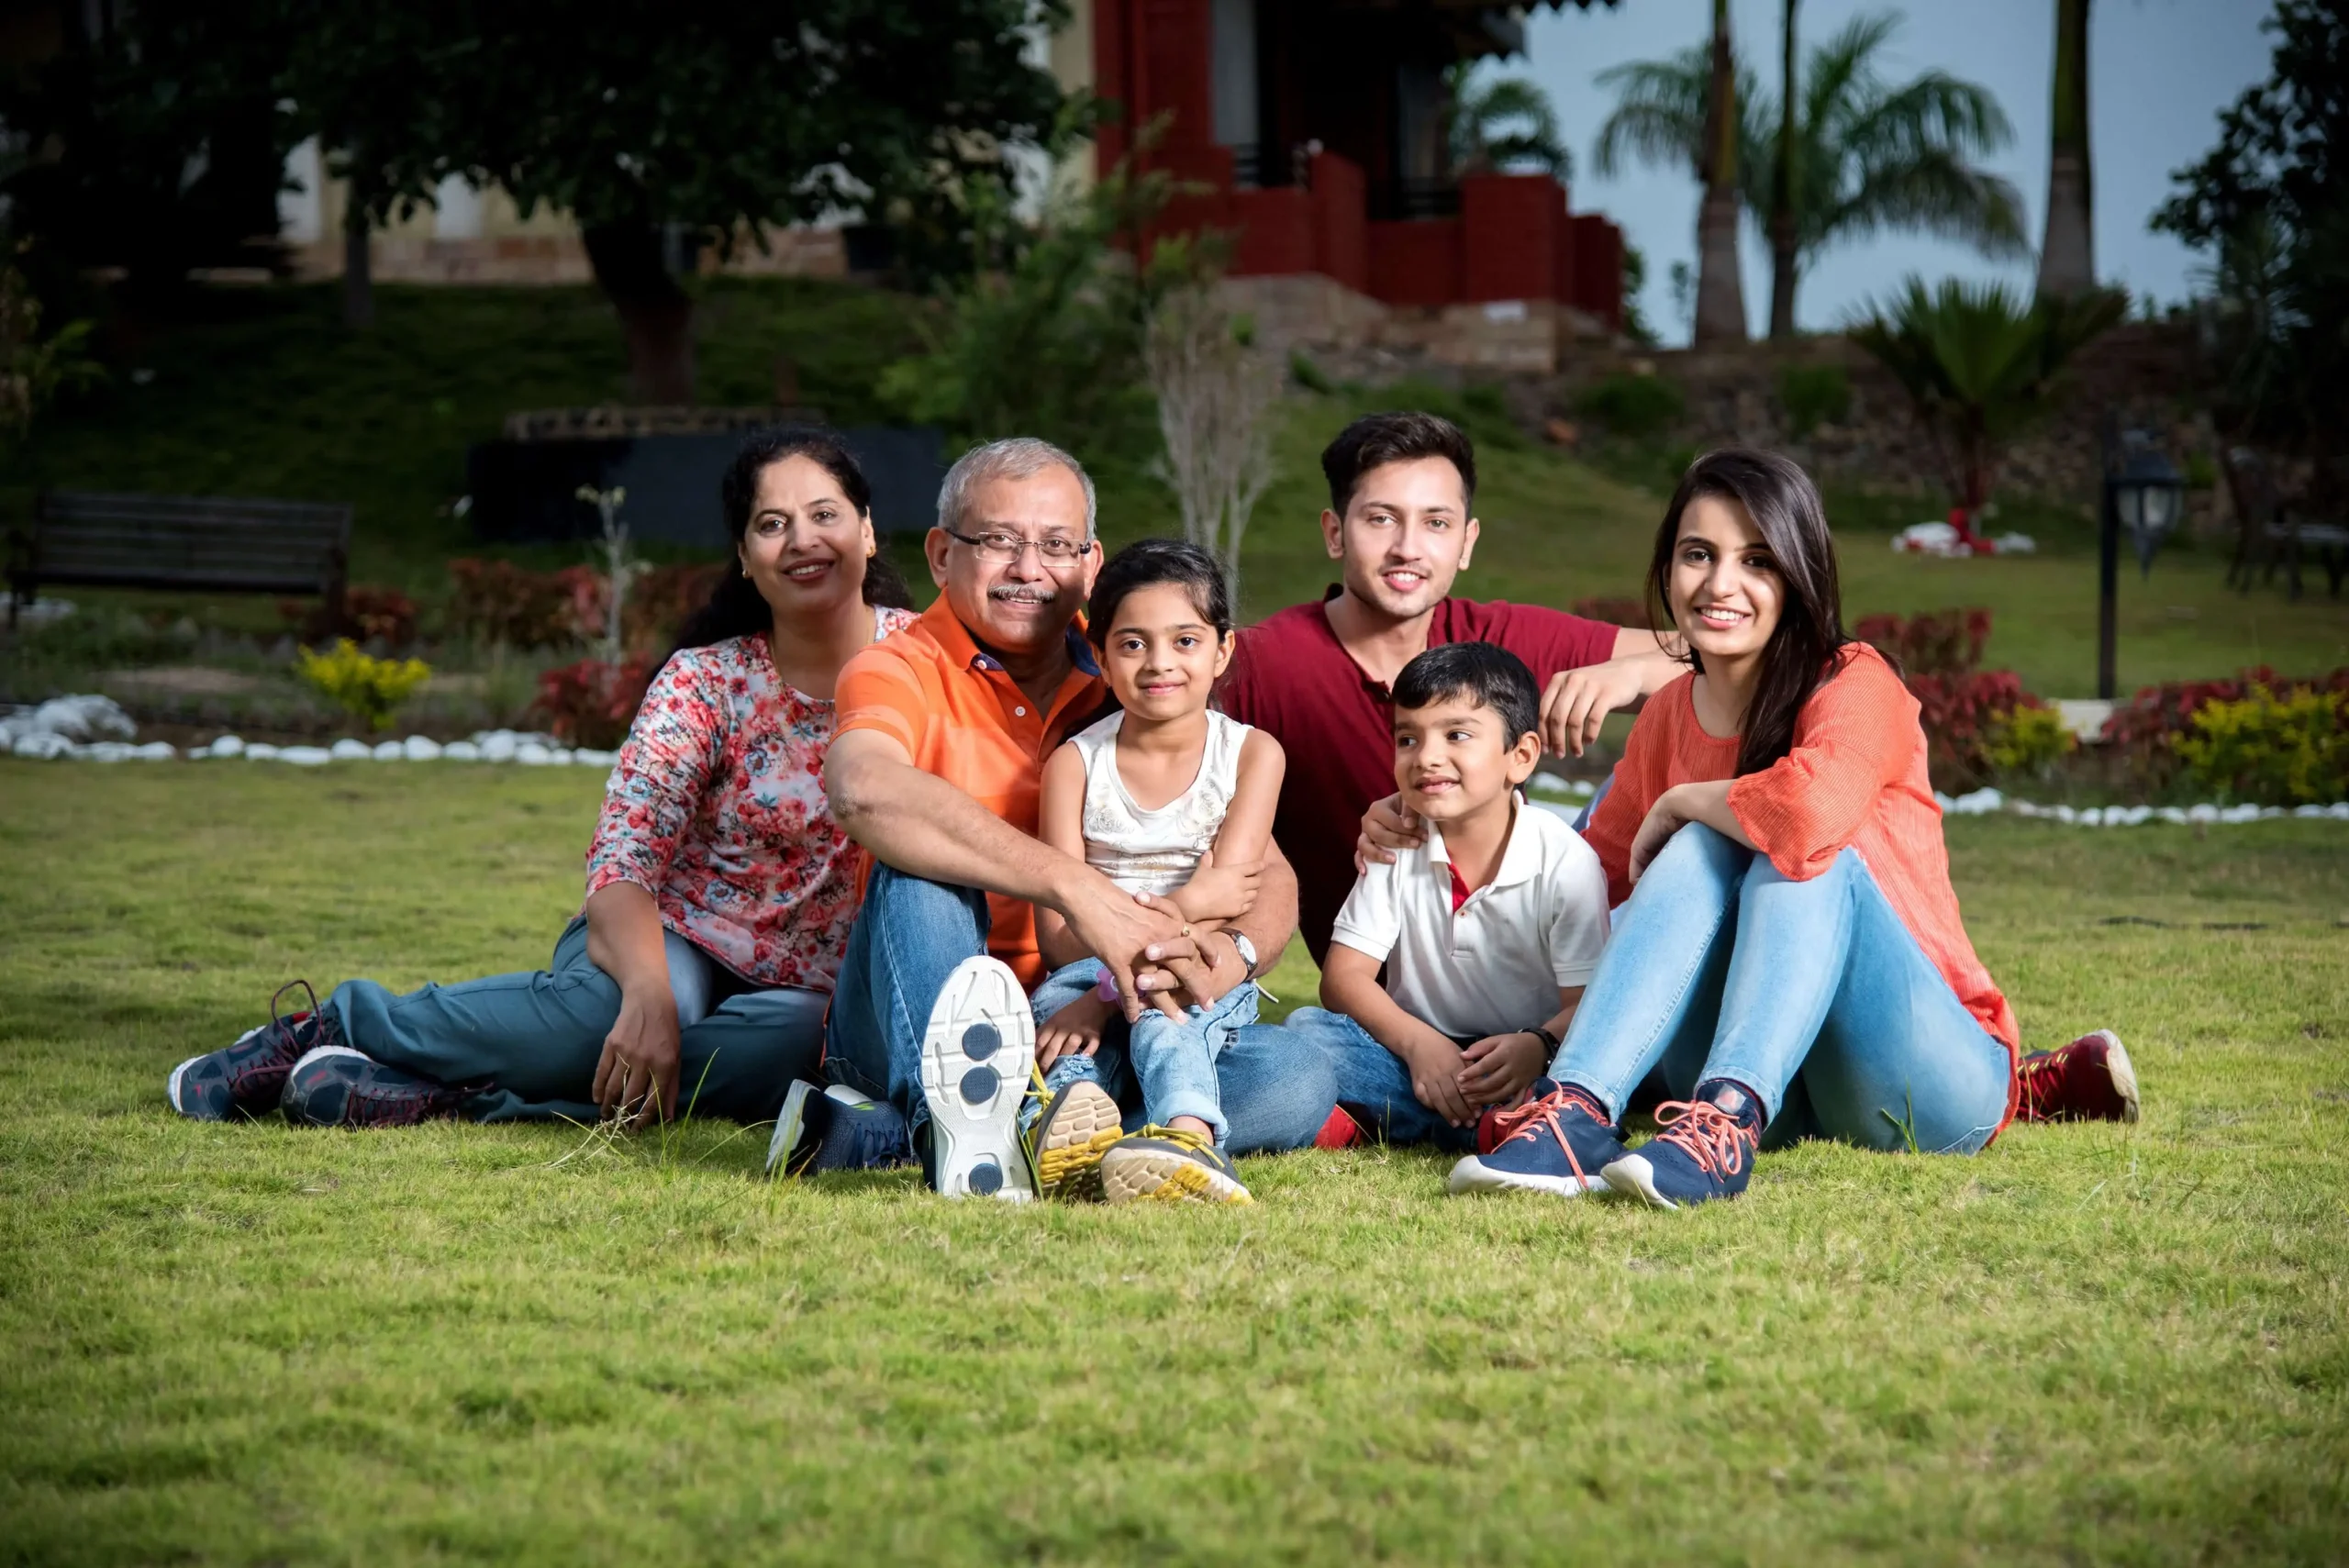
(1802,651)
(736,607)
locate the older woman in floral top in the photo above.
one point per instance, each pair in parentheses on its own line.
(719,891)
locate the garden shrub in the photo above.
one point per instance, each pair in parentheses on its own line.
(1963,715)
(1634,406)
(592,703)
(1813,396)
(1938,642)
(2026,740)
(2145,735)
(2271,748)
(498,602)
(367,687)
(369,614)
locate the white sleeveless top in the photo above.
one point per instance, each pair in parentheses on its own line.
(1155,852)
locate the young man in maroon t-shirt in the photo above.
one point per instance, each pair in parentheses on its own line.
(1401,525)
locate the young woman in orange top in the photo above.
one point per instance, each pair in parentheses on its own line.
(1788,947)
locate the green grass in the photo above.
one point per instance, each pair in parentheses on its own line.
(268,395)
(244,1344)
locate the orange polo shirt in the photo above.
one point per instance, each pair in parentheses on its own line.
(960,715)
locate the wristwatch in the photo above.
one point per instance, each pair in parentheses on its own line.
(1245,949)
(1549,1038)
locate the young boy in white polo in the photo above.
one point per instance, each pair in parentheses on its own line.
(1486,933)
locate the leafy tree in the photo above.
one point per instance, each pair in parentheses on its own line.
(2272,200)
(2068,261)
(664,131)
(34,366)
(1506,124)
(1870,155)
(1979,362)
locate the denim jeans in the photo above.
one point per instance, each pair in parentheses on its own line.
(1273,1091)
(1812,994)
(1374,1086)
(1173,1064)
(535,1037)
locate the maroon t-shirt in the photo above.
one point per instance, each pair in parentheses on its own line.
(1292,678)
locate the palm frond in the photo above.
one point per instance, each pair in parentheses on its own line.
(1931,193)
(1658,112)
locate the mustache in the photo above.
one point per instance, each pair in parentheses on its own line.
(1016,593)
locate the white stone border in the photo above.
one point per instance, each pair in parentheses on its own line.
(486,746)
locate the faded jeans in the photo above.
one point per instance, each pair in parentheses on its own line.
(1174,1063)
(534,1038)
(1811,994)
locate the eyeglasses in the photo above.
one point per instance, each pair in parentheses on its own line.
(1004,547)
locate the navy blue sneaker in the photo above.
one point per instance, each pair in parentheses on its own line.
(248,1078)
(334,1085)
(1702,1153)
(1557,1142)
(836,1129)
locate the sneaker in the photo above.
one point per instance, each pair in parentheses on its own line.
(1558,1141)
(1166,1164)
(1702,1153)
(1079,1124)
(976,1057)
(1340,1131)
(333,1086)
(248,1077)
(836,1129)
(2091,1079)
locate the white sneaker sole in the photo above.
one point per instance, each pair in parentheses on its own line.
(2124,1073)
(975,1058)
(1473,1176)
(1634,1176)
(1161,1175)
(788,1126)
(172,1089)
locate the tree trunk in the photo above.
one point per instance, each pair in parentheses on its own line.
(1720,293)
(2067,259)
(655,313)
(358,272)
(1783,253)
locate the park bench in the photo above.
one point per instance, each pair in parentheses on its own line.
(2271,531)
(210,544)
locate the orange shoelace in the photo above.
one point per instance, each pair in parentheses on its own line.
(1532,1117)
(1716,1141)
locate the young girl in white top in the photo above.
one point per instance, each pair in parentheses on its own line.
(1173,802)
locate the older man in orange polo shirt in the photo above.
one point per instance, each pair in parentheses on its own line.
(938,749)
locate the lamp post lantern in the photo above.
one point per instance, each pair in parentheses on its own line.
(2144,493)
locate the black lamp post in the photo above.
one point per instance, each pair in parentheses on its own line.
(2144,493)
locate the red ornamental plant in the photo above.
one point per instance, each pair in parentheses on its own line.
(1959,714)
(2143,732)
(1938,642)
(369,614)
(593,702)
(497,601)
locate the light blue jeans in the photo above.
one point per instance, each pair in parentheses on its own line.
(1811,994)
(1273,1090)
(1174,1063)
(1373,1086)
(534,1038)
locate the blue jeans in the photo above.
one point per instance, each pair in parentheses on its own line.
(1273,1091)
(535,1037)
(1374,1086)
(1174,1063)
(1811,994)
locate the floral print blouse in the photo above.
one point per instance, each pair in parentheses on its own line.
(717,808)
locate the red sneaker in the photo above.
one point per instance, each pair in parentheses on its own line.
(1340,1131)
(2089,1080)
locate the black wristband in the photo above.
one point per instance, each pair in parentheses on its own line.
(1552,1041)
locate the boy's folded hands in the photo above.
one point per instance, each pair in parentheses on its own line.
(1435,1064)
(1496,1070)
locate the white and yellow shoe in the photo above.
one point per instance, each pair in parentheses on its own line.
(1166,1164)
(975,1060)
(1078,1126)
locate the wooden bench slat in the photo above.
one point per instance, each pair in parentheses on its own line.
(208,543)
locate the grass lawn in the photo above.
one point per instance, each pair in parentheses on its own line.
(245,1344)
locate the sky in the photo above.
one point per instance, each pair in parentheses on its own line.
(2159,71)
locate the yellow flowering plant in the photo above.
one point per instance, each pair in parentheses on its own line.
(365,686)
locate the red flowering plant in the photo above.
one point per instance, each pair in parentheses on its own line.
(1938,642)
(2143,734)
(499,601)
(593,702)
(369,614)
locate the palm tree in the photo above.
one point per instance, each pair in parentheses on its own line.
(1507,122)
(1977,362)
(1868,154)
(1786,244)
(2068,261)
(1721,288)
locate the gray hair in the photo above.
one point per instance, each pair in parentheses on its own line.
(1015,457)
